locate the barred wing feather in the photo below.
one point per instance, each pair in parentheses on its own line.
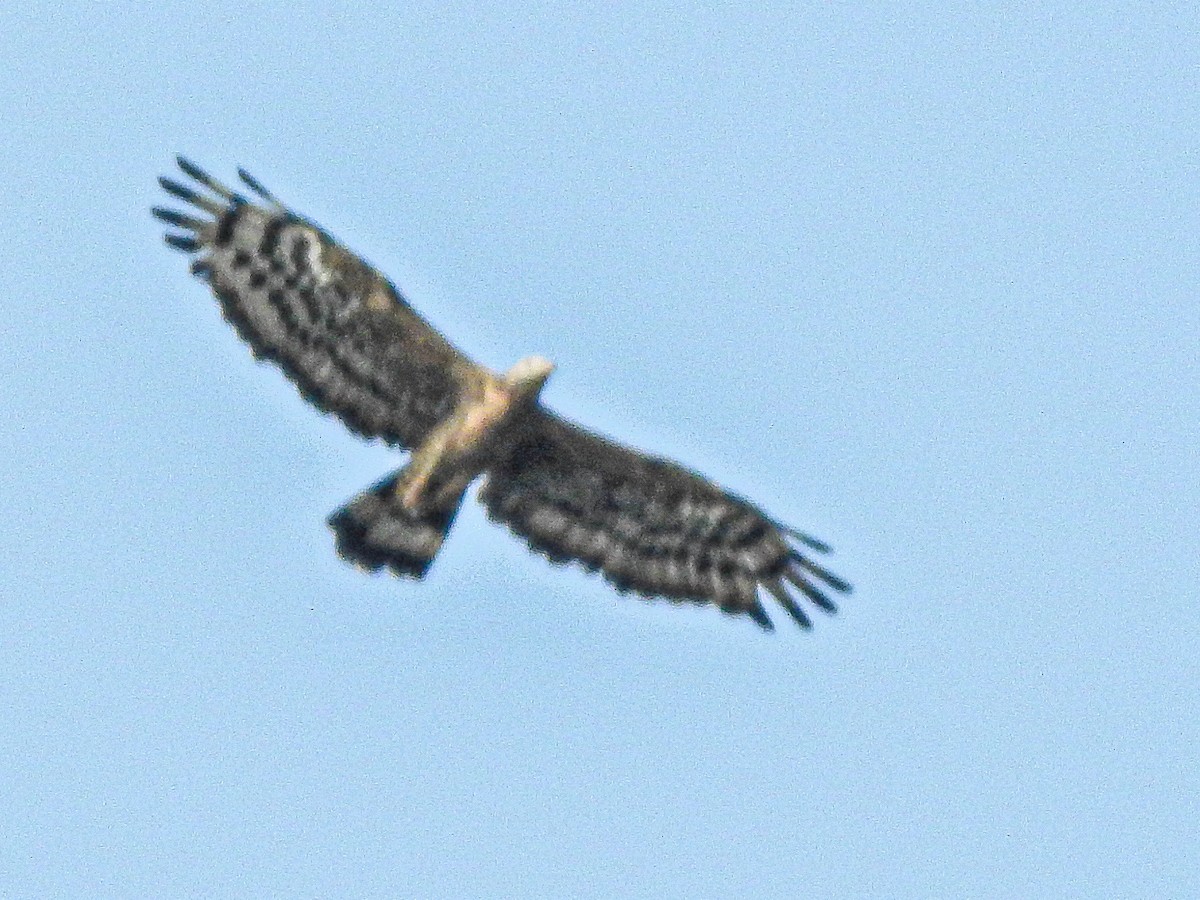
(650,525)
(335,325)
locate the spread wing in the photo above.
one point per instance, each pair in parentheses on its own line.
(336,326)
(649,525)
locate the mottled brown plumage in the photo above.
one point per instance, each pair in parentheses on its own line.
(356,348)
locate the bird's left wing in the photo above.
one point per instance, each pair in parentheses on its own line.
(336,326)
(649,525)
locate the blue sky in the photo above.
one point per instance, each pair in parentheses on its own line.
(921,279)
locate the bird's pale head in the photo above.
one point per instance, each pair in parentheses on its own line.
(527,377)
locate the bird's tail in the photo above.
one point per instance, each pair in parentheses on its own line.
(374,530)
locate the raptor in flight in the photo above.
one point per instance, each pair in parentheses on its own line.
(355,348)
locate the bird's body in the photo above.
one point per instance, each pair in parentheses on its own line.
(356,348)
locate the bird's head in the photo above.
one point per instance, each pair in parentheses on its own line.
(527,377)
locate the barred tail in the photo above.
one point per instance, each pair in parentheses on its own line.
(373,530)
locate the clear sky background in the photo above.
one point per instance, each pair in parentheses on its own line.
(921,279)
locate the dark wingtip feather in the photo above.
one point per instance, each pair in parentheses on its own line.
(173,187)
(798,616)
(255,185)
(784,599)
(194,171)
(838,584)
(815,595)
(182,242)
(759,615)
(190,168)
(807,540)
(186,194)
(178,219)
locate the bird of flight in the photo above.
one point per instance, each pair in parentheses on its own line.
(352,344)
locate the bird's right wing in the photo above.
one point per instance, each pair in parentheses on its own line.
(335,325)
